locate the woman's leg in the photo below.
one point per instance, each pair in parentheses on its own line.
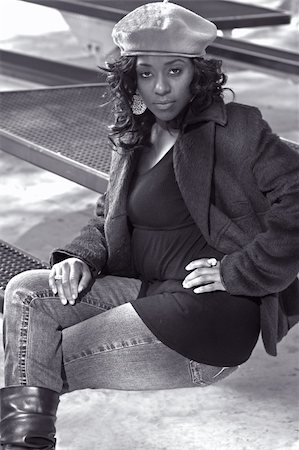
(115,350)
(33,322)
(50,347)
(34,319)
(99,342)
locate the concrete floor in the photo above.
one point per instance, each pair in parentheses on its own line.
(256,408)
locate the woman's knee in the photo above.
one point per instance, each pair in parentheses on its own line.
(24,284)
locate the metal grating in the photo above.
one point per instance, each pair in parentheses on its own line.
(68,121)
(14,261)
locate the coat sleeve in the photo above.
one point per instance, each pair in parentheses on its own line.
(270,262)
(90,245)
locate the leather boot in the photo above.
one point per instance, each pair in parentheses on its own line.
(28,416)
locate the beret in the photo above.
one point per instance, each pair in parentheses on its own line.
(163,28)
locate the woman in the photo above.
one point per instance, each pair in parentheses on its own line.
(193,251)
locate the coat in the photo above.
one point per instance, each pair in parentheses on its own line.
(240,183)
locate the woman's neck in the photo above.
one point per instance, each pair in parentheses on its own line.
(162,138)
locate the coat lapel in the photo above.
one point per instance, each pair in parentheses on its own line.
(193,167)
(122,167)
(116,225)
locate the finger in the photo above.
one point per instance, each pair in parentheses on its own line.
(59,279)
(60,292)
(201,280)
(209,288)
(52,282)
(202,272)
(75,273)
(85,279)
(65,282)
(203,262)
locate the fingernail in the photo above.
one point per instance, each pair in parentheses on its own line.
(212,262)
(74,296)
(188,267)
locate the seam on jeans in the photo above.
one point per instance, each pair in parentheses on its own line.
(196,373)
(96,304)
(23,339)
(107,348)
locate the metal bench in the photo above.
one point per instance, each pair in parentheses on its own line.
(13,261)
(225,14)
(263,58)
(63,130)
(46,72)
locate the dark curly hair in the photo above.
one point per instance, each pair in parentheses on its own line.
(130,131)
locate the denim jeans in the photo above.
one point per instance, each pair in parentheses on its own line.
(100,342)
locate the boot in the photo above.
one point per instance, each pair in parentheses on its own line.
(28,416)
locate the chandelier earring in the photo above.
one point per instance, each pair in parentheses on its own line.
(138,105)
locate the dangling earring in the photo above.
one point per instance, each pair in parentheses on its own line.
(138,106)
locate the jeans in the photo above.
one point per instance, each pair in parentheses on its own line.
(100,342)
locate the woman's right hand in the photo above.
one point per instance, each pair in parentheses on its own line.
(68,278)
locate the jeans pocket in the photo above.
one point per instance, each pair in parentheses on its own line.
(204,375)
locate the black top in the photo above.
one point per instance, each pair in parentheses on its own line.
(213,328)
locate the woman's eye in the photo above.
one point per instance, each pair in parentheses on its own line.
(144,74)
(175,71)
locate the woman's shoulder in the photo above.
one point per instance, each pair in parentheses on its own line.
(240,110)
(226,113)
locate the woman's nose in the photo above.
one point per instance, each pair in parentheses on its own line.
(162,86)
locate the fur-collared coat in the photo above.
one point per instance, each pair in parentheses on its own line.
(241,186)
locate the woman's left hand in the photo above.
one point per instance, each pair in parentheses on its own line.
(205,276)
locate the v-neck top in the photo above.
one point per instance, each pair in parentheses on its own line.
(213,328)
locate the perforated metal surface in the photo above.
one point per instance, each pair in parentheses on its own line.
(66,121)
(14,261)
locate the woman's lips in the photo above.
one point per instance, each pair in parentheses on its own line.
(164,105)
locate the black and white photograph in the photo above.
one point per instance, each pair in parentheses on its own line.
(149,224)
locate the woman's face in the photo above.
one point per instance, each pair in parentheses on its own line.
(164,84)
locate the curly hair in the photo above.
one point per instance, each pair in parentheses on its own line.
(130,131)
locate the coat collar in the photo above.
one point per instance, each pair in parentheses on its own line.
(215,112)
